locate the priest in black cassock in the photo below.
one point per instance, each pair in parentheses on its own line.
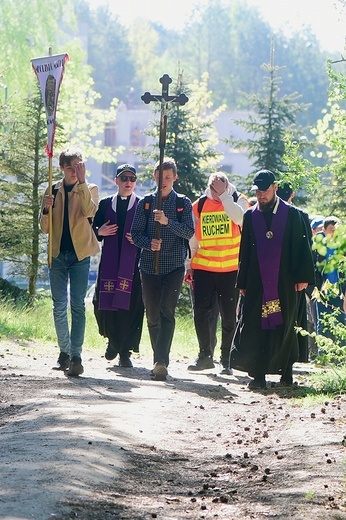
(118,304)
(275,262)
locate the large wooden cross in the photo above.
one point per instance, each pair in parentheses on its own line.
(164,99)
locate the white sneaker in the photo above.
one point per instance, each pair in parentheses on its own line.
(226,371)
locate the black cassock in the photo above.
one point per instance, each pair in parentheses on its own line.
(255,350)
(122,327)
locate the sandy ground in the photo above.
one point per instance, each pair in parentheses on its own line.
(112,444)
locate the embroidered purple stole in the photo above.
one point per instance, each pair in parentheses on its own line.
(269,247)
(116,274)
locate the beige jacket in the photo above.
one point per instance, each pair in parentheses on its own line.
(83,203)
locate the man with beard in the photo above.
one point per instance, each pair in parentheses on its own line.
(275,262)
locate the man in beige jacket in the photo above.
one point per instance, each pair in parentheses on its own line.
(74,202)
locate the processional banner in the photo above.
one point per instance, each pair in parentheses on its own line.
(49,71)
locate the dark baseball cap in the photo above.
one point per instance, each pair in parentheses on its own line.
(126,168)
(284,191)
(263,179)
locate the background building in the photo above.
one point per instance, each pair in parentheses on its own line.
(127,132)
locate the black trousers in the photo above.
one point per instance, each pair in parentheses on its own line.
(206,283)
(160,296)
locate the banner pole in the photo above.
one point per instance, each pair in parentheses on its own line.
(50,210)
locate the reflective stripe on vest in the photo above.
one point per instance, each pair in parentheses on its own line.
(218,237)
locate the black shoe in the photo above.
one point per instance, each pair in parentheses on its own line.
(110,353)
(63,362)
(125,361)
(257,383)
(286,381)
(76,367)
(202,363)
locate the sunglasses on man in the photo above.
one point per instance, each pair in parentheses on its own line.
(125,178)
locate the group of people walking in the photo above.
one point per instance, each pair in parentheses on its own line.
(248,264)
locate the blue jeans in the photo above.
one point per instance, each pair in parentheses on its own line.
(67,268)
(160,295)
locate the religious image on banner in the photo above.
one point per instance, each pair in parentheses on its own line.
(49,71)
(50,94)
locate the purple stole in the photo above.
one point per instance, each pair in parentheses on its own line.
(269,247)
(116,274)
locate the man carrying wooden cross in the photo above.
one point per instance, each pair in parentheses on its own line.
(161,291)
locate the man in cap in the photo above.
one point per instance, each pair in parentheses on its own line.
(275,262)
(118,305)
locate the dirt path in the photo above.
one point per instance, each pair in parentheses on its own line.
(113,444)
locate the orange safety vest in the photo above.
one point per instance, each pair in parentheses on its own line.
(218,237)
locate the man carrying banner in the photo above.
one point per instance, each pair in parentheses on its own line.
(72,241)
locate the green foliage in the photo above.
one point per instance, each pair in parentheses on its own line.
(25,322)
(272,119)
(23,164)
(330,136)
(233,51)
(116,70)
(331,381)
(11,293)
(337,243)
(28,29)
(298,172)
(81,123)
(19,321)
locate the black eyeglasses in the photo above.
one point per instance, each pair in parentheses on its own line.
(125,178)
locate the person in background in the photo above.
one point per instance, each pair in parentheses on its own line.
(118,305)
(286,193)
(316,225)
(275,261)
(74,202)
(161,290)
(213,267)
(329,283)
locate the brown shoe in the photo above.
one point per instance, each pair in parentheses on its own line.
(159,372)
(76,367)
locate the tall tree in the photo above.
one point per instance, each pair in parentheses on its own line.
(109,51)
(272,117)
(24,168)
(27,29)
(330,134)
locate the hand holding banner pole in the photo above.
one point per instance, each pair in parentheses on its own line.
(49,71)
(164,99)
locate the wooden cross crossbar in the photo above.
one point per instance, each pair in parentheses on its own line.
(164,99)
